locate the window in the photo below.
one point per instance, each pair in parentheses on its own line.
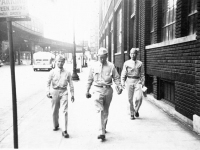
(192,16)
(152,21)
(119,30)
(169,19)
(169,91)
(166,90)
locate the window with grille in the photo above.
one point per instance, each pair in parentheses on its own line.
(167,90)
(119,30)
(192,16)
(152,21)
(169,19)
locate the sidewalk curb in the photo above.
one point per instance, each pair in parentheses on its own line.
(170,110)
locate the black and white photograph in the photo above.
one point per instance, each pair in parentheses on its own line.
(100,74)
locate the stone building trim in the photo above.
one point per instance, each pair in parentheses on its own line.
(173,42)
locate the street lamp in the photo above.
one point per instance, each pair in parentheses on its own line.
(74,75)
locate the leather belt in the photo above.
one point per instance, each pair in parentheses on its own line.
(103,86)
(58,88)
(133,77)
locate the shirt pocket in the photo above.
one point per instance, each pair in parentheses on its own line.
(96,75)
(129,69)
(55,79)
(138,70)
(108,76)
(64,81)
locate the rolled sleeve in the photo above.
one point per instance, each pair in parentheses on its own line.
(71,85)
(90,79)
(49,80)
(142,76)
(116,77)
(123,74)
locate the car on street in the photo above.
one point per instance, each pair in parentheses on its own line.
(1,63)
(43,61)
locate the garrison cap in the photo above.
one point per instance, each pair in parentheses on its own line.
(134,49)
(102,51)
(60,57)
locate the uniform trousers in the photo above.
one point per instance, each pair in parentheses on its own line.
(102,98)
(135,96)
(60,102)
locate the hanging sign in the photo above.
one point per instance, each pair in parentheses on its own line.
(13,8)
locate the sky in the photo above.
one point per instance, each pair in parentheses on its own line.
(57,18)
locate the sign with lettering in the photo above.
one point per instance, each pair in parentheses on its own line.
(13,8)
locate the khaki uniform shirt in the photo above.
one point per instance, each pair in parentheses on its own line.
(102,75)
(60,79)
(133,68)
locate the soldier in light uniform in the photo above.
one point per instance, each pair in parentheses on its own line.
(133,73)
(101,75)
(59,78)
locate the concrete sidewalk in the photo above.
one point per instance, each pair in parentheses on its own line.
(153,130)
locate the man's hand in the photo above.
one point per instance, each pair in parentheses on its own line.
(49,95)
(118,89)
(123,85)
(72,99)
(88,95)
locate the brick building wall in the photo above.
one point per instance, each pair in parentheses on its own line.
(197,65)
(176,63)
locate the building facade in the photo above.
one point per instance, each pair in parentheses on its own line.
(94,28)
(167,34)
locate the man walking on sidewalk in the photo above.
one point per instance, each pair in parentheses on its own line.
(133,73)
(60,78)
(101,75)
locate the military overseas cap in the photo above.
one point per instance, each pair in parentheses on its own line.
(60,57)
(134,49)
(102,51)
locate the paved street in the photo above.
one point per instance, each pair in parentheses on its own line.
(153,130)
(28,90)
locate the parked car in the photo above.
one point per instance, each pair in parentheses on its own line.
(1,63)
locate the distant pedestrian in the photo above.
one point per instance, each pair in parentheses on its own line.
(57,83)
(101,74)
(133,73)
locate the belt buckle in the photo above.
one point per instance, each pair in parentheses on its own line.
(104,86)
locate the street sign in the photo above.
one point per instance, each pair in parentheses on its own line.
(13,8)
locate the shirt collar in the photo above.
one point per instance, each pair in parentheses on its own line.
(59,70)
(134,60)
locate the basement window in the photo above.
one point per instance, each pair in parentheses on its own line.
(166,90)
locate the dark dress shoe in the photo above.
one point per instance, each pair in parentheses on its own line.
(56,128)
(132,117)
(65,134)
(137,114)
(102,137)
